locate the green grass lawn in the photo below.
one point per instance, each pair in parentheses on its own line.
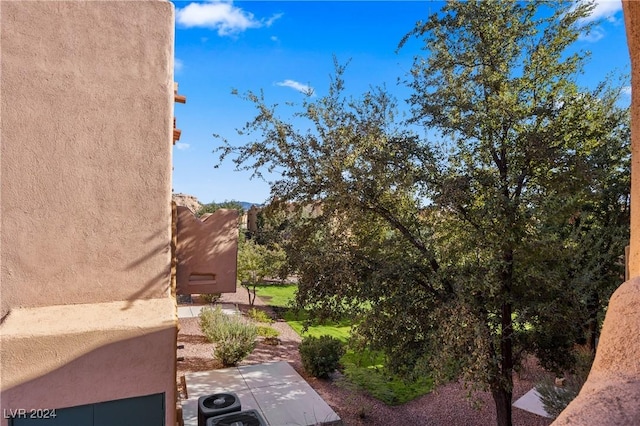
(277,295)
(280,295)
(340,330)
(364,370)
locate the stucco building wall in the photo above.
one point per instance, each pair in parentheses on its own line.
(611,395)
(632,23)
(86,100)
(86,151)
(206,252)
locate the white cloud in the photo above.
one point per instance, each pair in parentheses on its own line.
(178,65)
(274,38)
(221,15)
(182,146)
(603,10)
(606,9)
(596,33)
(626,90)
(307,90)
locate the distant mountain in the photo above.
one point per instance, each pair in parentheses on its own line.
(247,205)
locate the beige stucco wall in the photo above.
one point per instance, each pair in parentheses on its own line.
(86,151)
(100,352)
(206,252)
(86,103)
(632,22)
(611,395)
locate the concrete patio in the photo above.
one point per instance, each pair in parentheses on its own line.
(191,311)
(275,389)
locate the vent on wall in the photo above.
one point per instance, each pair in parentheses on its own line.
(205,279)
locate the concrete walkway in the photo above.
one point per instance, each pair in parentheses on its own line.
(275,389)
(190,311)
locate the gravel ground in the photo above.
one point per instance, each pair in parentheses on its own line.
(447,405)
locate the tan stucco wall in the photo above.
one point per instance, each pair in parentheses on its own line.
(87,104)
(100,352)
(611,395)
(632,22)
(207,247)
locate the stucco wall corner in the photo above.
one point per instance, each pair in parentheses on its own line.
(632,24)
(611,395)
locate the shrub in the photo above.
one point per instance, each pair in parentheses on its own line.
(555,399)
(321,355)
(259,316)
(212,321)
(236,340)
(210,297)
(265,331)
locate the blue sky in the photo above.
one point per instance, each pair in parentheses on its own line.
(287,47)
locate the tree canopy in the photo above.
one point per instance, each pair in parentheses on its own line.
(213,207)
(461,252)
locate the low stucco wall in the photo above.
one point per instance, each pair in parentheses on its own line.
(98,352)
(87,119)
(206,252)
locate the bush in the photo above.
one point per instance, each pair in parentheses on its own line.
(212,322)
(236,340)
(259,316)
(555,399)
(265,331)
(210,297)
(321,355)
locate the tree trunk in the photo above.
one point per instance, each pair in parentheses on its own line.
(502,399)
(502,388)
(251,299)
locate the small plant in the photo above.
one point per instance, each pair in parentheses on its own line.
(265,331)
(212,321)
(321,355)
(259,316)
(555,399)
(236,340)
(210,297)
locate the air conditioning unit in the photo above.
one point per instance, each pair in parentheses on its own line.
(242,418)
(217,404)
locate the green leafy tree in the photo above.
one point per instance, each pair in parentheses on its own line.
(599,231)
(212,207)
(257,262)
(499,83)
(449,253)
(273,222)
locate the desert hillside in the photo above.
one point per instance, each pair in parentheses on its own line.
(187,201)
